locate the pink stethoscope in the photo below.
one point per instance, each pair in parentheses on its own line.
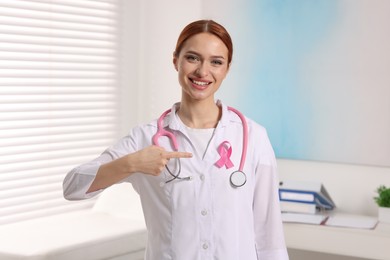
(237,178)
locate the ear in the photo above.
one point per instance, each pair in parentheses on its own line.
(175,61)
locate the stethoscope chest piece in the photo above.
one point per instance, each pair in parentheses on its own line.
(237,179)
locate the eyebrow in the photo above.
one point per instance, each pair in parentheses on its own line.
(198,54)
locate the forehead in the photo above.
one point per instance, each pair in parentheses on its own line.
(205,44)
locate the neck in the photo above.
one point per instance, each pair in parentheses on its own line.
(199,114)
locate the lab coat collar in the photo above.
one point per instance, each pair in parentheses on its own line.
(174,123)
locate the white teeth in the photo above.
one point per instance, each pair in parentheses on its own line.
(200,83)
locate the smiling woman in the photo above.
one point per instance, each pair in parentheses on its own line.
(202,213)
(202,65)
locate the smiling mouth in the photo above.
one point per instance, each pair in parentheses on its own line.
(200,84)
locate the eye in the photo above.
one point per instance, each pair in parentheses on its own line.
(217,62)
(192,58)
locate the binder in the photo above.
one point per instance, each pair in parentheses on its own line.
(305,192)
(315,219)
(299,207)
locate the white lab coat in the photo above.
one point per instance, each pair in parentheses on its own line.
(204,218)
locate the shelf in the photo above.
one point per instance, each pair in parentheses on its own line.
(363,243)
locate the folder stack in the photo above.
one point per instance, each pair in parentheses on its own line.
(299,198)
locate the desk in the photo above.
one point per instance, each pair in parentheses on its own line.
(370,244)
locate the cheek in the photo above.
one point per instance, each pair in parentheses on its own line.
(221,74)
(182,75)
(182,69)
(185,67)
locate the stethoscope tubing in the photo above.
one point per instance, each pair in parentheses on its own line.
(162,132)
(244,137)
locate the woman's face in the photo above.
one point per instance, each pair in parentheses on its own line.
(202,65)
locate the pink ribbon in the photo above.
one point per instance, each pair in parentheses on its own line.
(225,150)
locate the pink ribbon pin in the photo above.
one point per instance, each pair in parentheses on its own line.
(225,150)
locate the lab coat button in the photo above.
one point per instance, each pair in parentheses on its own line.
(202,177)
(205,246)
(204,212)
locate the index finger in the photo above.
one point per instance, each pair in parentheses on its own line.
(170,155)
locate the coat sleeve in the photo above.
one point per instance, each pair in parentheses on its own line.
(269,234)
(78,180)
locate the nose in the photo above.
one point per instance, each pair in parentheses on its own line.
(202,70)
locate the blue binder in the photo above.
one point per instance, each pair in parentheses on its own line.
(305,192)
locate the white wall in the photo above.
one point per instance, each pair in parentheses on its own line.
(129,53)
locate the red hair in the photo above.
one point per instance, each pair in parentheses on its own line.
(208,26)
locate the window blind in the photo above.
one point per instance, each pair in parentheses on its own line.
(58,98)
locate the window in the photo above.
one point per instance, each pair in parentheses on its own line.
(58,98)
